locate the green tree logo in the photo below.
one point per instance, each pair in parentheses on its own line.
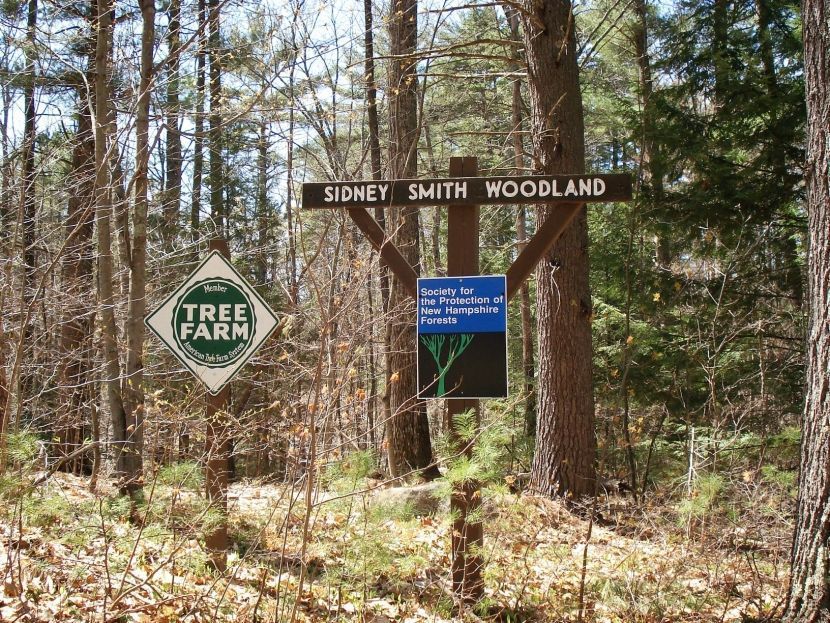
(458,343)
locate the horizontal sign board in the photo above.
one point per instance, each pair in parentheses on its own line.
(462,337)
(468,191)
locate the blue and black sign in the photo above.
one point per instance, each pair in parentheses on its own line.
(462,337)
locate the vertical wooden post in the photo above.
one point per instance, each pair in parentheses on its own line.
(462,261)
(217,451)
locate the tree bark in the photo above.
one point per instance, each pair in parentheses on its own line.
(809,595)
(103,216)
(173,182)
(528,354)
(294,288)
(565,444)
(198,137)
(28,216)
(134,386)
(380,216)
(408,439)
(5,170)
(75,394)
(792,277)
(262,212)
(217,209)
(651,171)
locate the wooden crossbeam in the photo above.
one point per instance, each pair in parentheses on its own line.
(388,251)
(544,238)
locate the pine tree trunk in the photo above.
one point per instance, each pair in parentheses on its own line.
(528,354)
(77,289)
(408,430)
(809,596)
(198,136)
(293,285)
(565,444)
(134,385)
(173,183)
(651,174)
(792,277)
(103,217)
(5,170)
(263,238)
(28,216)
(217,210)
(375,160)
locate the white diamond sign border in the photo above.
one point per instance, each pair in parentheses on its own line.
(160,321)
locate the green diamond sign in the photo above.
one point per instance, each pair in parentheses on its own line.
(214,322)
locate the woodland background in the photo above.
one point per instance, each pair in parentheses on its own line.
(204,121)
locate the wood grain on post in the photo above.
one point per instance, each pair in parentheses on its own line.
(217,452)
(389,252)
(541,242)
(462,261)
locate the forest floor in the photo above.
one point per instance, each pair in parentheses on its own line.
(71,555)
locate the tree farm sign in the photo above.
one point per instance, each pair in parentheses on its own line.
(213,322)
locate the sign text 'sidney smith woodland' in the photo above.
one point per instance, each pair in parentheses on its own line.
(483,190)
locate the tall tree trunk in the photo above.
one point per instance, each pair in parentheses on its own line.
(528,355)
(173,183)
(76,327)
(294,287)
(5,169)
(263,240)
(198,135)
(720,52)
(651,172)
(792,278)
(377,169)
(408,439)
(565,443)
(134,387)
(809,596)
(217,209)
(28,216)
(103,216)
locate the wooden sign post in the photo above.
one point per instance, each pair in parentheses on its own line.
(463,193)
(213,323)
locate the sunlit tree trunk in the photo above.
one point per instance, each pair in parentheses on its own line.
(262,212)
(198,137)
(134,385)
(75,399)
(173,183)
(565,442)
(408,429)
(528,355)
(103,219)
(217,208)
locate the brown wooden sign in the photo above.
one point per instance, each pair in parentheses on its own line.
(468,191)
(464,193)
